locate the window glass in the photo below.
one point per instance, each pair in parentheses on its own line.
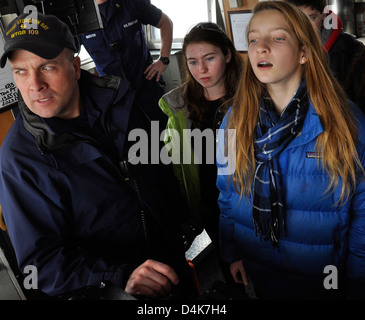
(184,14)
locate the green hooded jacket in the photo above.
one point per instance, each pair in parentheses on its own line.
(178,141)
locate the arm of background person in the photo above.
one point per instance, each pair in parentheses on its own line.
(166,31)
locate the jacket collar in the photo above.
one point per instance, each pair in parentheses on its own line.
(108,9)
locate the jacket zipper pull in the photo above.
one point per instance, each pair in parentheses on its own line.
(128,177)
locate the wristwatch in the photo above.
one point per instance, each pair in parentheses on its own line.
(165,60)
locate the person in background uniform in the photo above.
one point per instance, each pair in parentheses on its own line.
(342,47)
(293,214)
(120,49)
(212,67)
(73,205)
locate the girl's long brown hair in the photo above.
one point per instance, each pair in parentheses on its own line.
(336,143)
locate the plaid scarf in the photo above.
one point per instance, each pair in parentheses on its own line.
(273,134)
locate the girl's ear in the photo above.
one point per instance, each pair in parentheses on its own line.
(228,56)
(303,56)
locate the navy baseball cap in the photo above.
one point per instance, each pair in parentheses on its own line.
(45,36)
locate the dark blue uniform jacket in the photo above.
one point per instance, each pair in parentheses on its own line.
(69,208)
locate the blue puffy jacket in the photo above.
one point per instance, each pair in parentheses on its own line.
(69,208)
(318,234)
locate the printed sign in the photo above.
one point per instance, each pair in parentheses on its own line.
(8,90)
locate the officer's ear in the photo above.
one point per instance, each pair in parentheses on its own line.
(77,66)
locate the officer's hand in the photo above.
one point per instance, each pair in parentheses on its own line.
(152,279)
(155,69)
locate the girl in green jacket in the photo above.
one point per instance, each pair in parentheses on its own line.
(212,67)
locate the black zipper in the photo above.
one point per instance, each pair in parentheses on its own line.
(126,172)
(129,177)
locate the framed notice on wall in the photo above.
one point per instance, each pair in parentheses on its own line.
(238,21)
(8,90)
